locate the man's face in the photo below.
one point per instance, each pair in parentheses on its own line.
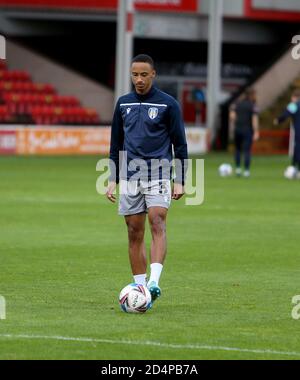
(142,75)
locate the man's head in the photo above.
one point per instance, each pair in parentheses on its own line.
(142,73)
(250,94)
(296,95)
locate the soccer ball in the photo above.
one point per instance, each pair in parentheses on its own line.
(290,172)
(225,170)
(135,298)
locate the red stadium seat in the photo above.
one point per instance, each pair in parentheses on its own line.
(69,101)
(26,87)
(3,65)
(14,76)
(5,115)
(39,101)
(43,88)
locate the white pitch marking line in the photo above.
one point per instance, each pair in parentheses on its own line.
(151,343)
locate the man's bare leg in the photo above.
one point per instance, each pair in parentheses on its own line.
(157,219)
(137,249)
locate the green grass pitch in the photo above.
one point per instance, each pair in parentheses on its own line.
(232,268)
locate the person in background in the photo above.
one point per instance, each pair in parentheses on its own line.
(244,129)
(293,111)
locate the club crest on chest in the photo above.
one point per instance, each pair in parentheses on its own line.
(153,112)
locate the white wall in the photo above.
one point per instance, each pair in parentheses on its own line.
(195,28)
(277,80)
(230,8)
(277,5)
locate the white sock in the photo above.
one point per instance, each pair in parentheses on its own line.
(140,279)
(156,270)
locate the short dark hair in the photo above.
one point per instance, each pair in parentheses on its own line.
(144,58)
(296,93)
(250,94)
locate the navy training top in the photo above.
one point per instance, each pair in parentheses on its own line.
(146,127)
(244,109)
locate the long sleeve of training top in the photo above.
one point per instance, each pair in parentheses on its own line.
(116,144)
(293,111)
(178,139)
(285,115)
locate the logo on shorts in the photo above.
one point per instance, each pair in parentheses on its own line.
(153,112)
(163,189)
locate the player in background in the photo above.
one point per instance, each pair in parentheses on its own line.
(244,129)
(293,111)
(146,124)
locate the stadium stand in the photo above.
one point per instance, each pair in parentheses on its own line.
(2,65)
(51,115)
(5,116)
(22,101)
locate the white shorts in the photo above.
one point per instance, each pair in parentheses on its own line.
(137,197)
